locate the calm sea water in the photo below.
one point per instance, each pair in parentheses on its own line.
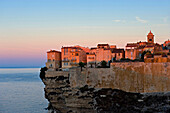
(21,91)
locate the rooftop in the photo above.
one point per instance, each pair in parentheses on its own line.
(53,51)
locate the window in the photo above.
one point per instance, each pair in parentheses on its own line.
(66,63)
(131,55)
(51,65)
(65,59)
(65,51)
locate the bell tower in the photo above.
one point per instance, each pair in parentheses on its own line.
(150,37)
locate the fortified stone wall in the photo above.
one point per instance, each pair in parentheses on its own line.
(127,76)
(143,77)
(157,59)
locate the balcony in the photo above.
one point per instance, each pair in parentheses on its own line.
(65,60)
(92,62)
(90,57)
(73,63)
(73,60)
(74,51)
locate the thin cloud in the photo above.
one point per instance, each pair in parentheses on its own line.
(141,20)
(160,25)
(165,19)
(116,20)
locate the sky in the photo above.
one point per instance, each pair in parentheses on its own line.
(29,28)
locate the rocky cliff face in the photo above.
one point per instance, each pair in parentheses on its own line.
(100,90)
(65,99)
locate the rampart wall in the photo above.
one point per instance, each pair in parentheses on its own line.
(127,76)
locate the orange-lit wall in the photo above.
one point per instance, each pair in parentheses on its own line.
(102,54)
(54,56)
(117,55)
(91,58)
(72,56)
(130,53)
(112,46)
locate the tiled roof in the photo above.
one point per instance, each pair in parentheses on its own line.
(71,47)
(157,44)
(93,48)
(53,51)
(117,50)
(86,49)
(131,45)
(149,46)
(142,42)
(103,45)
(106,48)
(141,47)
(150,33)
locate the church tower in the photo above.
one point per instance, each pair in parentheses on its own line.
(150,37)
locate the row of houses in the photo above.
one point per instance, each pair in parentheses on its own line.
(71,56)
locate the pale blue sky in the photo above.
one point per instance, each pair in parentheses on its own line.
(28,28)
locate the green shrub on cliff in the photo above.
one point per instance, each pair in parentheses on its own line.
(81,64)
(103,64)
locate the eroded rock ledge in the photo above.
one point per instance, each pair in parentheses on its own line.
(66,99)
(107,90)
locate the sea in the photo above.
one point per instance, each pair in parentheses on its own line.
(21,91)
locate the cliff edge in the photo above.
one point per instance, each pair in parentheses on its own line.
(101,90)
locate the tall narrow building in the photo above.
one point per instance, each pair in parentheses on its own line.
(150,37)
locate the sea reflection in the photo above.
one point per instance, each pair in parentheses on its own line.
(21,91)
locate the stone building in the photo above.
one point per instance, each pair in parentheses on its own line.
(166,45)
(91,60)
(130,51)
(104,52)
(157,58)
(53,59)
(117,54)
(72,56)
(135,50)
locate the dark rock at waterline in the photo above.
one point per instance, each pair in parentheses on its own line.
(108,100)
(117,101)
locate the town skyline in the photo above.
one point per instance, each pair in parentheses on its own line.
(30,28)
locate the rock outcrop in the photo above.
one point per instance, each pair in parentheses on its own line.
(65,99)
(124,88)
